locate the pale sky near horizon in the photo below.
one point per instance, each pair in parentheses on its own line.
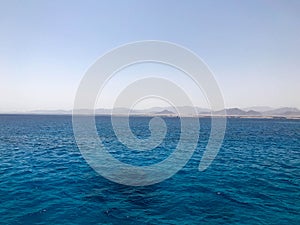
(252,47)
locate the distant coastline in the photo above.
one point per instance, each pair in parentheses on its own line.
(186,111)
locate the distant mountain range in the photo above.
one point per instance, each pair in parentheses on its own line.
(285,111)
(261,111)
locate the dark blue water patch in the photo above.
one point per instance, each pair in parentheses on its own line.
(140,128)
(255,179)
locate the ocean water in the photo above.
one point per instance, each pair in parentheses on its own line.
(254,179)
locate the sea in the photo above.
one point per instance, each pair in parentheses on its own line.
(44,179)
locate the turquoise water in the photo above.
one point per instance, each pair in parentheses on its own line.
(254,179)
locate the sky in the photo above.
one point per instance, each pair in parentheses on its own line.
(252,47)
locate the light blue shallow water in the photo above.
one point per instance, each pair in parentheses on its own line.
(254,179)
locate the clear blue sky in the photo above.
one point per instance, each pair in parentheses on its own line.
(253,47)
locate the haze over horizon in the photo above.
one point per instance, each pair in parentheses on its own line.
(253,48)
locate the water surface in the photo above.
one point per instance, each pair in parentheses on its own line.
(253,180)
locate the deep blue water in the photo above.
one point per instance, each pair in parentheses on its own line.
(254,179)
